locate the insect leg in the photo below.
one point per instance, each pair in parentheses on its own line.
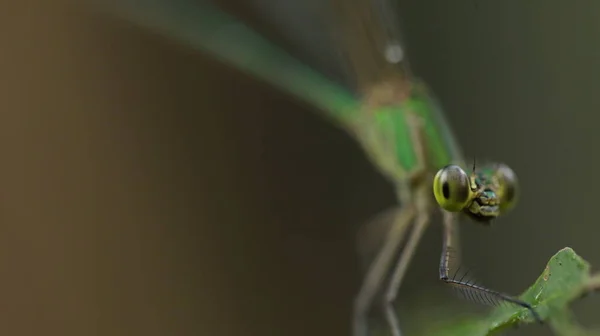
(407,253)
(379,268)
(484,295)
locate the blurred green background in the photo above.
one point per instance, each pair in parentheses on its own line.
(147,189)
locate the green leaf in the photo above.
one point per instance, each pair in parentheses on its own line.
(565,278)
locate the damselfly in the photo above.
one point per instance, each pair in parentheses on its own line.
(389,112)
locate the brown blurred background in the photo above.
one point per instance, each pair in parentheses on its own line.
(148,190)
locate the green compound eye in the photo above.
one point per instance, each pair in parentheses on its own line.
(451,188)
(508,192)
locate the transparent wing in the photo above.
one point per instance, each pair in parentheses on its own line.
(371,235)
(369,41)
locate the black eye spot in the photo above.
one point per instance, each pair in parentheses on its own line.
(510,193)
(446,190)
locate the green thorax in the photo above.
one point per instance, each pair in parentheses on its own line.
(392,125)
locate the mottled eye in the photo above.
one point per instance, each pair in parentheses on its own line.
(508,192)
(451,188)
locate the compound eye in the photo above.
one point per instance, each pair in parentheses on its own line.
(508,192)
(452,188)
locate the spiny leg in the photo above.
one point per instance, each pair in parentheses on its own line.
(407,253)
(379,269)
(484,293)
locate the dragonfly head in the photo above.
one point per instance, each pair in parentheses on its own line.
(483,194)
